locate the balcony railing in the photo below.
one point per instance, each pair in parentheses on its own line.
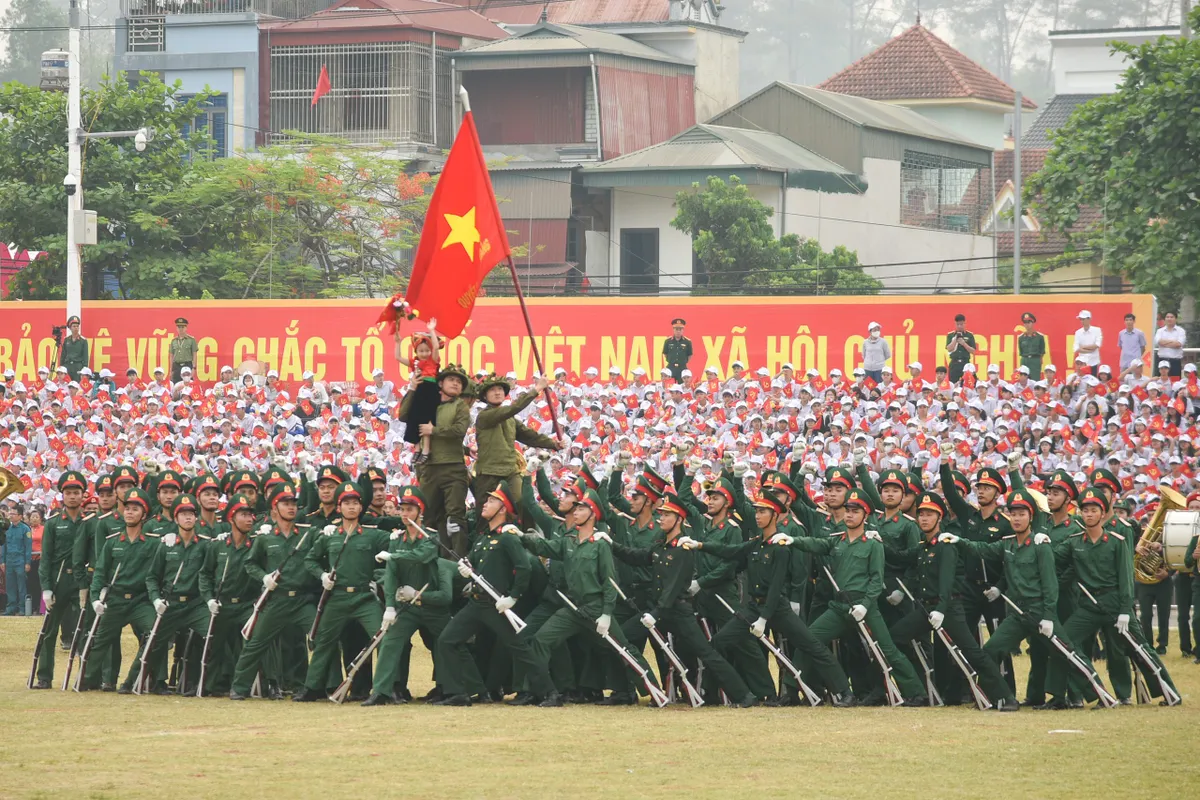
(284,9)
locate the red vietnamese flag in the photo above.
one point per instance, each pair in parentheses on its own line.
(323,85)
(462,240)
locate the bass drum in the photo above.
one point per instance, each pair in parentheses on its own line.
(1178,530)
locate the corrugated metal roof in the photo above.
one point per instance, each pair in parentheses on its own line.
(427,15)
(547,39)
(716,146)
(1053,116)
(575,12)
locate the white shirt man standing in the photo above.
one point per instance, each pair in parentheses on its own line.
(1088,340)
(1168,341)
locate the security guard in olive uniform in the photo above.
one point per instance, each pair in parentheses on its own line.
(677,350)
(183,349)
(55,571)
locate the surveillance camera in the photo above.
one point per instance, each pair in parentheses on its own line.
(70,183)
(139,141)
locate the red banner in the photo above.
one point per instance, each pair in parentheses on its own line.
(338,340)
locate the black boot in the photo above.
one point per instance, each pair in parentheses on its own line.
(522,699)
(41,685)
(746,702)
(235,696)
(454,700)
(109,687)
(307,695)
(552,700)
(435,694)
(1053,704)
(845,700)
(126,688)
(1008,705)
(377,700)
(618,699)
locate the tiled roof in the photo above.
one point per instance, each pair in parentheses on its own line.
(1054,115)
(577,12)
(917,65)
(1045,242)
(427,15)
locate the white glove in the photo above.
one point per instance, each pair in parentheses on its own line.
(944,457)
(859,612)
(896,597)
(759,628)
(1041,538)
(464,568)
(48,598)
(603,623)
(991,594)
(1046,628)
(221,537)
(310,473)
(329,530)
(383,556)
(406,594)
(513,529)
(693,588)
(170,539)
(935,619)
(740,469)
(327,581)
(860,456)
(782,539)
(389,616)
(847,465)
(872,535)
(98,607)
(269,582)
(648,621)
(264,529)
(214,607)
(795,608)
(1123,624)
(505,604)
(1014,458)
(396,534)
(602,536)
(688,543)
(160,606)
(949,538)
(808,469)
(693,465)
(533,463)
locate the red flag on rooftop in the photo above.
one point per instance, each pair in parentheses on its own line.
(463,237)
(323,85)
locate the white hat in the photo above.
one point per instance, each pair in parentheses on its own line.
(915,365)
(592,371)
(1085,314)
(272,374)
(1050,367)
(614,370)
(1189,367)
(1023,369)
(873,325)
(1162,364)
(639,371)
(993,368)
(307,374)
(1105,368)
(377,373)
(738,365)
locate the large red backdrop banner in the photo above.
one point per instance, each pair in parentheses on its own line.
(338,340)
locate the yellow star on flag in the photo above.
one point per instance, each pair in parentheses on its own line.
(462,231)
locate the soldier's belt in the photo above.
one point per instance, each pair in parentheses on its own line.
(183,598)
(234,600)
(128,596)
(292,593)
(69,572)
(350,589)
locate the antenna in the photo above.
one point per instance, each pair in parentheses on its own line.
(918,12)
(545,13)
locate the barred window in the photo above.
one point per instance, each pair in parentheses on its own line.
(210,123)
(943,193)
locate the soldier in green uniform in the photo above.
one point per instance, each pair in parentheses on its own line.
(674,570)
(127,602)
(56,570)
(1117,661)
(182,351)
(1189,560)
(901,541)
(960,346)
(1032,347)
(677,351)
(412,568)
(856,561)
(939,584)
(228,593)
(713,522)
(347,576)
(74,353)
(276,562)
(1027,561)
(444,476)
(767,565)
(207,491)
(497,430)
(166,488)
(84,554)
(500,560)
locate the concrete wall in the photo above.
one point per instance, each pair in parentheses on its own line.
(219,51)
(1085,64)
(984,126)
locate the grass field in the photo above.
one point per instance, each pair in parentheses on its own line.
(97,745)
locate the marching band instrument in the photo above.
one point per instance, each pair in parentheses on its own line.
(1177,533)
(1148,561)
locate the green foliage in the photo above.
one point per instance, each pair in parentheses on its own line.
(736,245)
(1133,155)
(43,22)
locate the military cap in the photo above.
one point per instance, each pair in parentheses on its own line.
(185,502)
(654,479)
(104,483)
(990,476)
(915,484)
(72,480)
(1061,479)
(960,482)
(1021,498)
(840,476)
(592,500)
(1105,478)
(138,497)
(281,492)
(929,501)
(770,502)
(894,477)
(1094,496)
(588,478)
(332,473)
(644,487)
(679,321)
(494,380)
(124,474)
(273,477)
(412,495)
(454,371)
(722,487)
(169,478)
(504,494)
(857,497)
(575,488)
(181,321)
(347,490)
(375,475)
(673,505)
(244,479)
(780,483)
(238,502)
(203,482)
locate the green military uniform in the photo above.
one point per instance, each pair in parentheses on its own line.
(56,572)
(960,357)
(677,352)
(225,579)
(901,542)
(714,576)
(444,476)
(1032,349)
(182,350)
(74,355)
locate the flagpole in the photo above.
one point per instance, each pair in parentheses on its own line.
(537,356)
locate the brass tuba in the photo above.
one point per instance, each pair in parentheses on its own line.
(1147,561)
(9,483)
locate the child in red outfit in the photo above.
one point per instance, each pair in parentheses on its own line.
(425,366)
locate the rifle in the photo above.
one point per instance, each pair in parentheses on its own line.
(37,648)
(693,695)
(656,694)
(889,682)
(87,647)
(517,623)
(1106,699)
(343,689)
(325,593)
(74,646)
(1170,696)
(784,662)
(141,676)
(248,628)
(212,619)
(981,699)
(700,667)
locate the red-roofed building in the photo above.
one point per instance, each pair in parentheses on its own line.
(920,71)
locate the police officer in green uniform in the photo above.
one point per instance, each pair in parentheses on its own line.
(1031,346)
(74,353)
(443,476)
(127,603)
(677,350)
(56,569)
(182,351)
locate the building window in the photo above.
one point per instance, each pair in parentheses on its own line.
(943,193)
(211,123)
(381,92)
(639,261)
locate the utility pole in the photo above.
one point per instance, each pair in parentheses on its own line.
(1017,194)
(1185,9)
(73,182)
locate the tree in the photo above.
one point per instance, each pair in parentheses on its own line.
(1134,155)
(118,182)
(31,27)
(735,243)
